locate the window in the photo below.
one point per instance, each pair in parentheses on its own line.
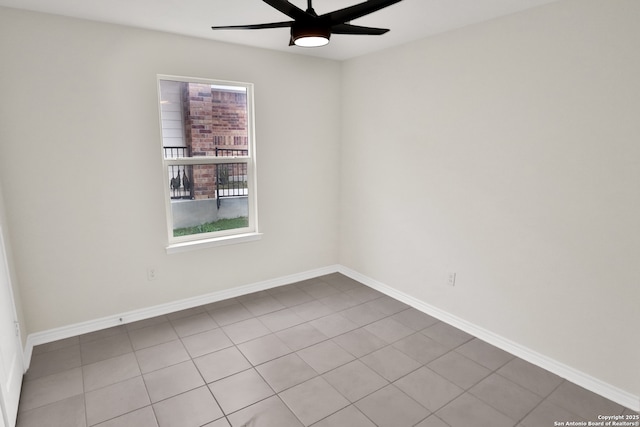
(208,153)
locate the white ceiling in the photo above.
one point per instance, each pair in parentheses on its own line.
(408,20)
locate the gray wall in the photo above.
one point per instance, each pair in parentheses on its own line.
(83,95)
(520,168)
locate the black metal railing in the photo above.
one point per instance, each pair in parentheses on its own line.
(174,152)
(180,176)
(181,181)
(230,178)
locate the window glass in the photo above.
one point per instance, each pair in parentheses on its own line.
(207,147)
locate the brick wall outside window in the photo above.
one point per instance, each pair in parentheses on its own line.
(213,118)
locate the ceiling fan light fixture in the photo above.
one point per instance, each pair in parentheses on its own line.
(310,37)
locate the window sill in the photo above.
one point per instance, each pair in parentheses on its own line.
(211,243)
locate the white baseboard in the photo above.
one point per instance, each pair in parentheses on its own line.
(580,378)
(63,332)
(575,376)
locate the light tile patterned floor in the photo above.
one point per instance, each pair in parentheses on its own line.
(327,352)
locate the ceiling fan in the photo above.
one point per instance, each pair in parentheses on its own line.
(308,29)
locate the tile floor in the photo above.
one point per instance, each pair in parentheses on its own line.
(326,352)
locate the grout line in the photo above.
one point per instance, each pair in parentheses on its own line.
(143,381)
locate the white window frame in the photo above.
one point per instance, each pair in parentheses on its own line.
(225,237)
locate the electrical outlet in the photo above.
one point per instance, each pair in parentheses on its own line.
(151,273)
(451,279)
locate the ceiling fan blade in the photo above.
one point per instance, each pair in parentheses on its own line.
(255,26)
(356,29)
(358,10)
(291,10)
